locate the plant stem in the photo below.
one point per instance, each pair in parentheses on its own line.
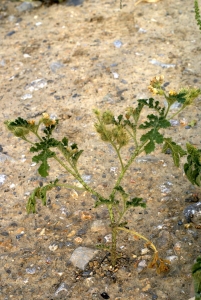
(78,177)
(114,245)
(140,236)
(69,186)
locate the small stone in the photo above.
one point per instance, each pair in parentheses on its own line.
(11,33)
(31,271)
(89,282)
(164,238)
(56,66)
(144,251)
(4,233)
(2,179)
(172,258)
(85,216)
(117,43)
(193,211)
(25,6)
(53,247)
(104,295)
(63,287)
(78,240)
(81,257)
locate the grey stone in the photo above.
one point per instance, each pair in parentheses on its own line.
(25,6)
(4,157)
(55,66)
(147,158)
(63,287)
(193,211)
(81,256)
(164,238)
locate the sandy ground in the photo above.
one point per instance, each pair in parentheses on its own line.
(94,55)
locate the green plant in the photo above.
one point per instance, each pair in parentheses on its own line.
(118,131)
(197,13)
(192,169)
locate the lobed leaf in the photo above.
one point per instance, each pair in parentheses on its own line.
(176,150)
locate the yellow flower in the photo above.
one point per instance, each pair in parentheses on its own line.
(31,122)
(172,93)
(46,116)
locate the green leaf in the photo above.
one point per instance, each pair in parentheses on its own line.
(43,157)
(76,156)
(156,122)
(121,191)
(196,273)
(192,168)
(153,104)
(135,202)
(39,193)
(65,141)
(176,150)
(152,136)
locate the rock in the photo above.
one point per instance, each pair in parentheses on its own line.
(56,66)
(81,257)
(164,238)
(4,157)
(193,211)
(147,158)
(25,6)
(2,179)
(63,287)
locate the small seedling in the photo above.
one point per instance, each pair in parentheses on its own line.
(118,132)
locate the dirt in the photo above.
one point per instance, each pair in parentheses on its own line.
(94,56)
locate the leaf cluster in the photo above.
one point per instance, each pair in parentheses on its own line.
(20,127)
(196,273)
(39,193)
(192,168)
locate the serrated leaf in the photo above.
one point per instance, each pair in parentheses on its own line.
(196,273)
(76,156)
(65,141)
(155,122)
(192,168)
(135,202)
(176,151)
(152,136)
(43,157)
(121,191)
(39,193)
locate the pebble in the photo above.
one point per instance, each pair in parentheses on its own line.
(25,6)
(31,271)
(26,96)
(158,63)
(148,158)
(164,238)
(53,247)
(56,66)
(89,282)
(172,258)
(63,287)
(174,123)
(104,295)
(193,211)
(11,33)
(117,43)
(4,157)
(2,179)
(36,85)
(81,257)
